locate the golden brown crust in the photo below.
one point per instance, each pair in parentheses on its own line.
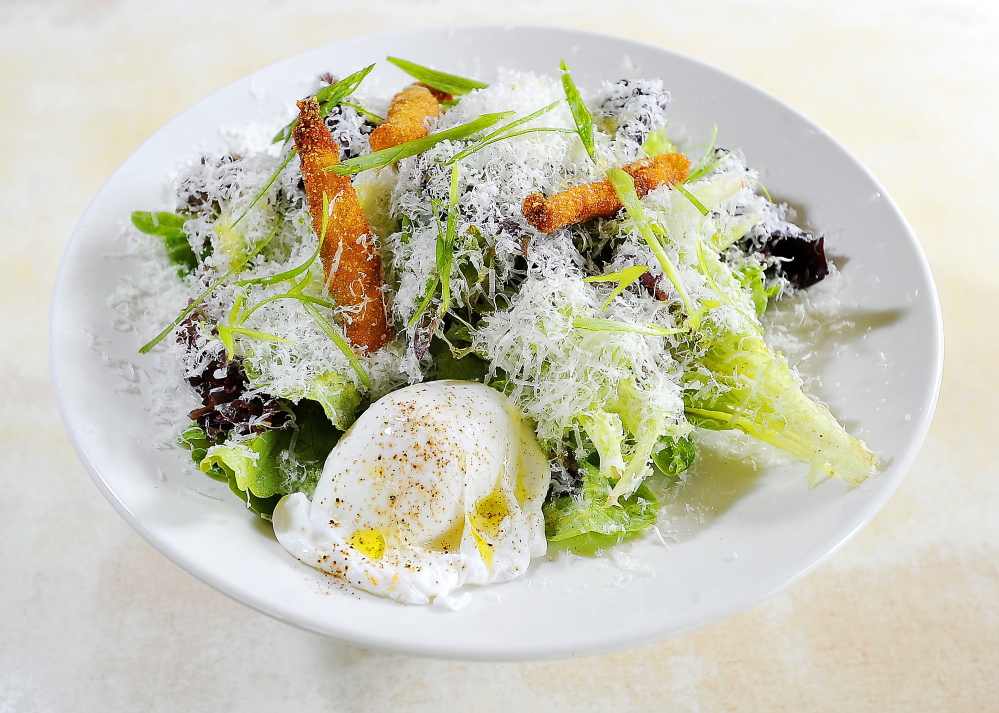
(438,94)
(407,118)
(599,200)
(664,170)
(352,266)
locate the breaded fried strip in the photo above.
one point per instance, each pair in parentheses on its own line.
(598,200)
(438,94)
(353,268)
(407,118)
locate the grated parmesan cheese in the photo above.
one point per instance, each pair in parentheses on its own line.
(517,294)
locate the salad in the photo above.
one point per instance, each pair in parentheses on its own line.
(428,335)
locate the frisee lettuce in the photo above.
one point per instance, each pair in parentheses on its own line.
(744,384)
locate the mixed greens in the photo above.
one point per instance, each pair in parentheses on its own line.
(616,336)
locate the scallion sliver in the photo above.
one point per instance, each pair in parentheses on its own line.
(581,115)
(441,81)
(385,157)
(211,288)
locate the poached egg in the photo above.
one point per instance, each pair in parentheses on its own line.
(435,486)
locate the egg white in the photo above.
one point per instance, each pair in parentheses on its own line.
(435,486)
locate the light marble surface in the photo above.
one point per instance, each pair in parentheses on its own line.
(906,617)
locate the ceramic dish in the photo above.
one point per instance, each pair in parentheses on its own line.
(748,534)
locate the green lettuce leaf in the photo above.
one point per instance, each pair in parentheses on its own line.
(745,384)
(753,281)
(254,464)
(263,468)
(468,368)
(675,455)
(338,397)
(587,512)
(170,227)
(315,438)
(658,143)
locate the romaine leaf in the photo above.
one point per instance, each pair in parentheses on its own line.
(676,455)
(589,511)
(338,397)
(170,227)
(468,368)
(744,384)
(266,466)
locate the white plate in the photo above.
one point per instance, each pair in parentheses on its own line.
(759,533)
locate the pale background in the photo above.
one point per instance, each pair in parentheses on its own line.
(905,618)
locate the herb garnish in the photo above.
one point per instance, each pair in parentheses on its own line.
(600,324)
(328,98)
(445,253)
(581,115)
(624,186)
(441,81)
(378,159)
(693,199)
(623,277)
(211,288)
(267,185)
(504,133)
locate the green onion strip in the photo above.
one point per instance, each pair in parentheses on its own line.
(501,133)
(581,115)
(704,164)
(441,81)
(328,98)
(341,343)
(446,236)
(270,182)
(624,186)
(365,112)
(599,324)
(211,288)
(379,159)
(701,208)
(623,277)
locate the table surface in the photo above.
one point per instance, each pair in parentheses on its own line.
(905,617)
